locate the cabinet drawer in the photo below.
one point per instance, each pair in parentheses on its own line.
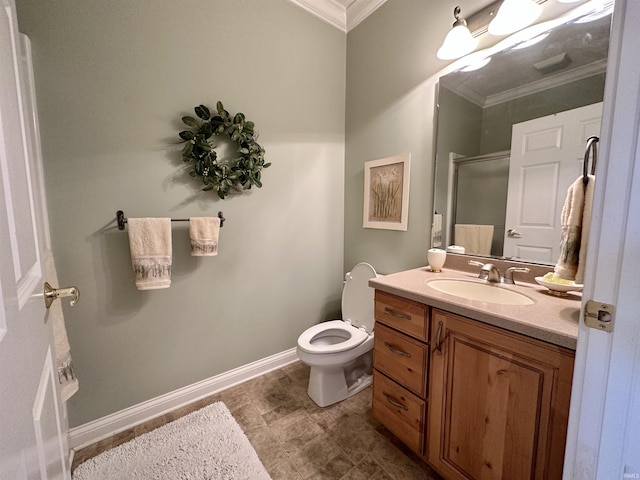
(401,358)
(400,411)
(402,314)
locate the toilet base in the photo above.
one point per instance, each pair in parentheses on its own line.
(332,385)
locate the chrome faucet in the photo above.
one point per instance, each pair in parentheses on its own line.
(488,272)
(508,276)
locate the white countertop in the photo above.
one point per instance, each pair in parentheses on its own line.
(551,319)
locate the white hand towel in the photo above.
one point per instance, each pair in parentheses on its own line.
(66,375)
(476,239)
(150,245)
(575,222)
(586,227)
(204,233)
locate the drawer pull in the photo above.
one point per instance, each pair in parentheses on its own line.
(396,314)
(393,402)
(438,333)
(396,351)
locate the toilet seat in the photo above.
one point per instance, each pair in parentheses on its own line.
(357,313)
(352,337)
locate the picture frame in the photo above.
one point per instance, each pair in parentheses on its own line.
(386,192)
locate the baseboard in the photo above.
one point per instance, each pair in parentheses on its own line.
(105,427)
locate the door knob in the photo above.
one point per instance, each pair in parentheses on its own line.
(50,294)
(512,233)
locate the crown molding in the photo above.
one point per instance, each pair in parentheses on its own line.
(334,12)
(359,10)
(552,81)
(594,68)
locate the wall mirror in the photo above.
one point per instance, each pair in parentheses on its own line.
(539,97)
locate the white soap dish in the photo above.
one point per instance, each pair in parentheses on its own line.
(559,289)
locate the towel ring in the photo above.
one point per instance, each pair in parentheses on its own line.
(591,145)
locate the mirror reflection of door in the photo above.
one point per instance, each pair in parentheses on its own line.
(546,158)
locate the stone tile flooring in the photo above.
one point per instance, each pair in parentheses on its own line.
(295,439)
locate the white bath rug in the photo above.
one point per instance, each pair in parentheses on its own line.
(207,444)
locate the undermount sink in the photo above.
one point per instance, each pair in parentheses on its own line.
(484,292)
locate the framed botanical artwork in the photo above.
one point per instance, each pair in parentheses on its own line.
(386,192)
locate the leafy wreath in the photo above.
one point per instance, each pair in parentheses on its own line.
(228,175)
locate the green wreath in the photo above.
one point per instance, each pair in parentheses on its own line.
(228,175)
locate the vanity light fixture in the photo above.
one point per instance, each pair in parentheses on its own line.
(458,41)
(462,38)
(514,15)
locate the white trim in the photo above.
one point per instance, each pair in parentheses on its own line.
(105,427)
(553,81)
(326,10)
(359,10)
(334,13)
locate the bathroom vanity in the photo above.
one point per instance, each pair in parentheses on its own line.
(478,390)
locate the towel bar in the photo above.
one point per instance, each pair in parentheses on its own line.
(121,219)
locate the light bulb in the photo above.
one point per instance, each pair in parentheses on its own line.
(514,15)
(457,43)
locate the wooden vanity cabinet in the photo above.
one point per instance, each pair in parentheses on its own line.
(475,401)
(498,402)
(400,358)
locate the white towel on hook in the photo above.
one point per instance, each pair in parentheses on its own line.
(476,239)
(150,245)
(576,223)
(204,233)
(66,375)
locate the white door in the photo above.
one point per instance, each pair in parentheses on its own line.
(33,431)
(546,158)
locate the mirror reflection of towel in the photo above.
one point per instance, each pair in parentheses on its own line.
(476,239)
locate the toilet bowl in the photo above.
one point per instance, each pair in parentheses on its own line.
(339,352)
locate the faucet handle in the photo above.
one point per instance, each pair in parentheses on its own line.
(508,276)
(477,264)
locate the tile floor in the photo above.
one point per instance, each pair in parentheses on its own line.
(295,439)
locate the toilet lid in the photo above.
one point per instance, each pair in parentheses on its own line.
(357,297)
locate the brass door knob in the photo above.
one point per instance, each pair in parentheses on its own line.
(50,294)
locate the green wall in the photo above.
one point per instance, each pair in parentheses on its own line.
(113,79)
(390,110)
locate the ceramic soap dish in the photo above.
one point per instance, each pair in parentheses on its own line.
(559,289)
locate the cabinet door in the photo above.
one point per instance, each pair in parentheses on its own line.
(498,402)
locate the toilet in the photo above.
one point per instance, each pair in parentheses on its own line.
(340,352)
